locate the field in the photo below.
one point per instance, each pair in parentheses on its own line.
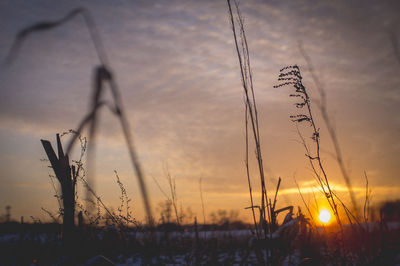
(41,244)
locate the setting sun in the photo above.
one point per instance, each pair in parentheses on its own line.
(324,216)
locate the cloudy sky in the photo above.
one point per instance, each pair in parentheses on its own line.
(176,66)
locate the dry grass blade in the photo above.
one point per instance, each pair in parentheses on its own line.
(302,198)
(48,25)
(202,200)
(55,219)
(174,197)
(41,26)
(367,198)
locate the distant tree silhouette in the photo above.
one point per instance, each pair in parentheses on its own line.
(8,213)
(390,211)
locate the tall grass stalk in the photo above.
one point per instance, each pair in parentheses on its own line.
(202,201)
(304,202)
(251,111)
(174,197)
(248,174)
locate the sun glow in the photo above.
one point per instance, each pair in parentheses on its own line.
(324,216)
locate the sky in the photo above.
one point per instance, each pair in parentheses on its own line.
(176,66)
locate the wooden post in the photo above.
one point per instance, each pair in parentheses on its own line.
(66,175)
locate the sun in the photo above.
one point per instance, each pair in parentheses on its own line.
(324,216)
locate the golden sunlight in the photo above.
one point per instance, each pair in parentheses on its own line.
(324,216)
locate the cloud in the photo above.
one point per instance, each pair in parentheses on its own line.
(177,70)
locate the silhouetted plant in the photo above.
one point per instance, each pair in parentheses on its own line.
(322,106)
(291,76)
(124,210)
(103,77)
